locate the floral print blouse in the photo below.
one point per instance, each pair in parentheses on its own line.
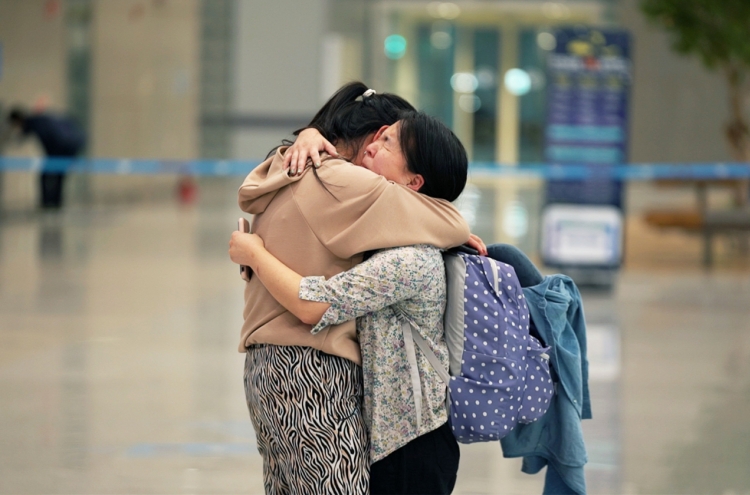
(405,282)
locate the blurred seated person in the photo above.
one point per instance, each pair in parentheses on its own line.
(61,137)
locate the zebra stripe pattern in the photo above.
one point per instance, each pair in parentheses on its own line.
(305,406)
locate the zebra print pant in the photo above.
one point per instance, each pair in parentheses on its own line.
(305,406)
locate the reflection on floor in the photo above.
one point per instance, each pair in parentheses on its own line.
(119,374)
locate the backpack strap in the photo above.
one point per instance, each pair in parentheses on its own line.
(431,357)
(411,356)
(412,335)
(495,275)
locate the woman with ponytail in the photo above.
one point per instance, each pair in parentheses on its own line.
(304,391)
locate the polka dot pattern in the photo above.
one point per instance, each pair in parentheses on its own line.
(504,377)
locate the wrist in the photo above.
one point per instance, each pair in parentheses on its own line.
(255,257)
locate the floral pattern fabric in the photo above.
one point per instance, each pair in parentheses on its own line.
(406,282)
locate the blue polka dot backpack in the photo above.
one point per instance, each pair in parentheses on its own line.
(499,374)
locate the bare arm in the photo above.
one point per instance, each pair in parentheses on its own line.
(282,282)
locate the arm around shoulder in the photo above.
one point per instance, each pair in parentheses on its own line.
(281,281)
(365,211)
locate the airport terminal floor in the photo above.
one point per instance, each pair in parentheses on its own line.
(119,370)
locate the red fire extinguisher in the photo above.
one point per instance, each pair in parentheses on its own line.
(187,190)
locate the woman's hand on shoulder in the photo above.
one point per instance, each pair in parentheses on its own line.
(308,145)
(243,247)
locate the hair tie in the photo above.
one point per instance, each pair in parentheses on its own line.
(368,93)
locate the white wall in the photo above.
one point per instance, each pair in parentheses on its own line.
(144,104)
(678,108)
(277,68)
(33,54)
(145,79)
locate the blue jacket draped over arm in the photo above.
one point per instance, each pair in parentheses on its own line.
(556,439)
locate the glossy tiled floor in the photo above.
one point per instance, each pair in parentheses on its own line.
(119,371)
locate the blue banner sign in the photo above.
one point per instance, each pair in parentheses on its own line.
(589,79)
(554,173)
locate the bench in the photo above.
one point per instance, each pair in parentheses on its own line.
(703,220)
(707,223)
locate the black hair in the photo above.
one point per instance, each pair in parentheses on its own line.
(348,117)
(17,115)
(433,151)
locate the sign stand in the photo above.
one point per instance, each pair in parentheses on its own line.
(589,80)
